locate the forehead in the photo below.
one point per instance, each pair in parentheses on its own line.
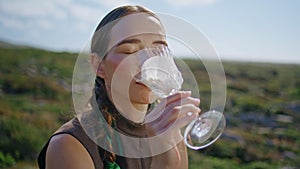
(135,25)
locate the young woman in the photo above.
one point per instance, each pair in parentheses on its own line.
(124,109)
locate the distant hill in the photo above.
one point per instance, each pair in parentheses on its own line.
(5,44)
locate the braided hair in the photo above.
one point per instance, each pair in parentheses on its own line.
(101,96)
(99,46)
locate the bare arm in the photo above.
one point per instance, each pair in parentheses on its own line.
(65,151)
(175,158)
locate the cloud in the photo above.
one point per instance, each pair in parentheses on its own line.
(43,22)
(31,9)
(191,2)
(36,15)
(15,13)
(8,23)
(112,3)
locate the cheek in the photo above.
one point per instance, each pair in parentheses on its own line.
(124,67)
(115,66)
(119,74)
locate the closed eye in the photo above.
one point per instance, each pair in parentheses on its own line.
(160,42)
(127,48)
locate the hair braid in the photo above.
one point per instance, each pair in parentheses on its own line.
(99,45)
(100,91)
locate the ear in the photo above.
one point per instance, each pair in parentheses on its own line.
(97,65)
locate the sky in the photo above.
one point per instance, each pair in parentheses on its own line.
(240,30)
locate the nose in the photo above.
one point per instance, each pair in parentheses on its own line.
(150,51)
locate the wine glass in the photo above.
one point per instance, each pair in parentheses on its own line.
(159,72)
(204,130)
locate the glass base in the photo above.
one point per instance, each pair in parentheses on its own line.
(204,130)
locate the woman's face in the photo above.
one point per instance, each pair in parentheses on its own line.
(120,64)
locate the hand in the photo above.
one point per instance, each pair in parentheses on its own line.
(173,113)
(165,121)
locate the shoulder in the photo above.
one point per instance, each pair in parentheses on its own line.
(65,151)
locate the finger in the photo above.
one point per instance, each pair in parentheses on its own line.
(176,100)
(185,101)
(183,121)
(170,110)
(177,96)
(155,113)
(184,114)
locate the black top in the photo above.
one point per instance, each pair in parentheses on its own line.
(74,128)
(91,120)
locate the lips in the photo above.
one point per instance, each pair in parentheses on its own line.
(141,84)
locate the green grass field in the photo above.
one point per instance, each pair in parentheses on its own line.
(262,110)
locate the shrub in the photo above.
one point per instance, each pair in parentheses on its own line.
(22,141)
(6,160)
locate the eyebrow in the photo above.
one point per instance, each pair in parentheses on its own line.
(129,41)
(139,41)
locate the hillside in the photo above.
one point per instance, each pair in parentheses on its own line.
(262,110)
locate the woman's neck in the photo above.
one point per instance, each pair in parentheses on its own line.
(134,112)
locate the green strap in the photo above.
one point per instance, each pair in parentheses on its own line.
(117,137)
(113,165)
(108,137)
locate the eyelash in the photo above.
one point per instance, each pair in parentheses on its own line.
(129,52)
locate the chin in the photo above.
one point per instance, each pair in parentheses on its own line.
(144,98)
(141,94)
(152,98)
